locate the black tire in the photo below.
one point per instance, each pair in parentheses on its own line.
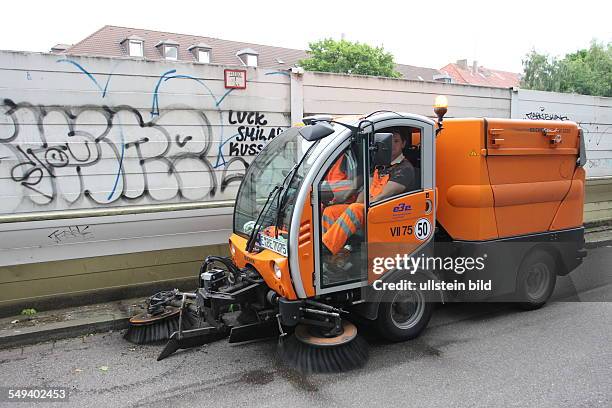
(536,280)
(403,315)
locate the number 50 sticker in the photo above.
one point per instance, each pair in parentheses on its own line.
(422,229)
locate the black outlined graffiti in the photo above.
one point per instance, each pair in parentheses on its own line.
(234,177)
(594,133)
(72,232)
(251,135)
(102,155)
(545,116)
(183,142)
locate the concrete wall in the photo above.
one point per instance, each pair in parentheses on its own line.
(346,94)
(116,172)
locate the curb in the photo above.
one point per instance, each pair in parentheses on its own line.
(598,236)
(74,300)
(598,244)
(61,330)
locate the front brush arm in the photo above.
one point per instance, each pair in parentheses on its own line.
(231,301)
(312,313)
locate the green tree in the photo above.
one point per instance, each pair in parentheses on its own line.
(587,71)
(539,72)
(349,58)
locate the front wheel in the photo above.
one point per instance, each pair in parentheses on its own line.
(403,315)
(536,280)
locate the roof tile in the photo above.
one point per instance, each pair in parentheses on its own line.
(484,76)
(107,42)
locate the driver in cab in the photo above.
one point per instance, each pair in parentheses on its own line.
(341,221)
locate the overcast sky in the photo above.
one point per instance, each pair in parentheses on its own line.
(424,33)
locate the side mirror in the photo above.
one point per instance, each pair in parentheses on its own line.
(381,149)
(317,131)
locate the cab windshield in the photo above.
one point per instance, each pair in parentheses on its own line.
(269,171)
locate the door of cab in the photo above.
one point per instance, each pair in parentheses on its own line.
(338,190)
(399,226)
(402,224)
(353,229)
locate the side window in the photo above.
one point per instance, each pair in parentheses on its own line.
(342,219)
(403,174)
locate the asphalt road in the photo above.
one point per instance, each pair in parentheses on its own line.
(472,355)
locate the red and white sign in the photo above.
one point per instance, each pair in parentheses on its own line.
(235,78)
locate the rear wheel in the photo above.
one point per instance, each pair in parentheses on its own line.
(403,315)
(536,280)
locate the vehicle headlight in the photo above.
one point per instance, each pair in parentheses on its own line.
(277,270)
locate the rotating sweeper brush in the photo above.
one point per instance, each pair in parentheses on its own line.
(165,312)
(312,350)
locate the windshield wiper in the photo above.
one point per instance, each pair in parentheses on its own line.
(282,195)
(252,238)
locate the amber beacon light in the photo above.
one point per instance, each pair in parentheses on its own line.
(440,109)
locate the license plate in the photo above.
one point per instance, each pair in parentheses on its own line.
(273,244)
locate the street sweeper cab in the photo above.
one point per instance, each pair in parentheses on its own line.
(300,215)
(333,212)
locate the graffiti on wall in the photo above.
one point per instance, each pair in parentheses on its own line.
(252,134)
(542,115)
(597,137)
(97,155)
(73,232)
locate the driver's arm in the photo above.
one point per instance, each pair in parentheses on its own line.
(401,177)
(389,190)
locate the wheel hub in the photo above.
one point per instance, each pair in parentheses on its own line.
(407,309)
(537,281)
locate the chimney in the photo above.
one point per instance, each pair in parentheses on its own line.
(475,67)
(462,63)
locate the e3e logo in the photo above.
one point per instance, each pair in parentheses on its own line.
(401,207)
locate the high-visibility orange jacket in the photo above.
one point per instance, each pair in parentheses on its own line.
(340,221)
(336,176)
